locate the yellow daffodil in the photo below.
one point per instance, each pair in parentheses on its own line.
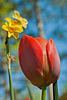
(12,30)
(23,21)
(14,27)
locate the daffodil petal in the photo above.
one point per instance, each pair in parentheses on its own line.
(16,35)
(24,20)
(14,16)
(10,34)
(6,24)
(8,19)
(18,29)
(24,25)
(4,27)
(16,12)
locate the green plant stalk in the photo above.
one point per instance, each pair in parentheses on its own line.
(43,92)
(9,68)
(31,97)
(55,91)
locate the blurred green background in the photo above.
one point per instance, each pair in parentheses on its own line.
(46,18)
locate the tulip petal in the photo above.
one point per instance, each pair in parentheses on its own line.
(54,60)
(43,42)
(31,59)
(45,66)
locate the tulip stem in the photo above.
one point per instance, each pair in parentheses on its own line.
(9,68)
(55,91)
(43,92)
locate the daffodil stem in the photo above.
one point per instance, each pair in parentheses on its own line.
(7,45)
(55,91)
(9,69)
(43,92)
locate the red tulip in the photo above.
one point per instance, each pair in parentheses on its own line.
(39,60)
(27,99)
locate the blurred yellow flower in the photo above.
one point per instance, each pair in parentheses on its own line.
(14,27)
(13,23)
(23,21)
(12,30)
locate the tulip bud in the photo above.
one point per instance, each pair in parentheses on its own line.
(39,60)
(27,99)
